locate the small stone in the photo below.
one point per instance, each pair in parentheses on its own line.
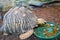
(5,34)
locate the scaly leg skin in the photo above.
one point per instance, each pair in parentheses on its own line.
(5,34)
(26,35)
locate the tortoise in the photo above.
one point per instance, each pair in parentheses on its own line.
(20,21)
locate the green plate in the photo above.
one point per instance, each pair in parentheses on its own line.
(39,32)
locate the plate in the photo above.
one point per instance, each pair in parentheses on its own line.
(40,31)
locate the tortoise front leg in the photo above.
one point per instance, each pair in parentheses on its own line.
(26,35)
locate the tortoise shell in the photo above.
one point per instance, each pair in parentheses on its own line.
(18,20)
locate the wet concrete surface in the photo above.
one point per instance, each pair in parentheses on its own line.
(48,13)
